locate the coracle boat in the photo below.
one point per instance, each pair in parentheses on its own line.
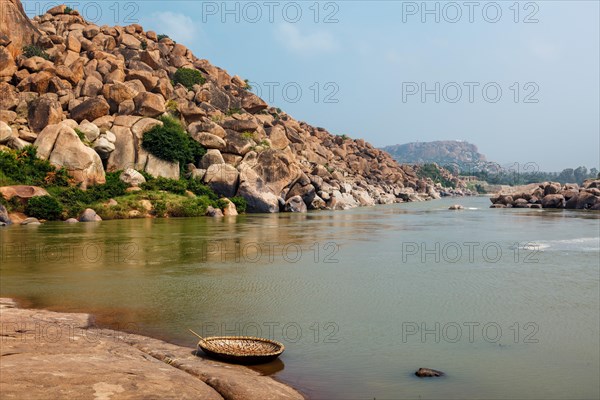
(240,349)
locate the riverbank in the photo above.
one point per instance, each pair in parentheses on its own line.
(48,354)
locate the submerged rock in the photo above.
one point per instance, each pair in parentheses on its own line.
(428,373)
(456,207)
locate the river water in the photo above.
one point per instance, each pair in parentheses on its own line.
(506,302)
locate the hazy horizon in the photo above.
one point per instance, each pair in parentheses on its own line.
(520,82)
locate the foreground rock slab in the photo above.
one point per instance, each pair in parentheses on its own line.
(58,355)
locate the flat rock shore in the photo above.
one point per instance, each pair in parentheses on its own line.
(50,355)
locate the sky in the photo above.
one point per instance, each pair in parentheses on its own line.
(518,79)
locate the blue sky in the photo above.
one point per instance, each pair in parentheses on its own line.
(362,66)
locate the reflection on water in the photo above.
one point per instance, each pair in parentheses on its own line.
(504,301)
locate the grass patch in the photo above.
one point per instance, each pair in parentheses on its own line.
(33,50)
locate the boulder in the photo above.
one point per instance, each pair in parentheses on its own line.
(520,203)
(552,188)
(71,221)
(31,221)
(259,197)
(81,162)
(209,140)
(15,24)
(428,373)
(341,201)
(123,156)
(5,219)
(9,97)
(8,67)
(104,147)
(5,132)
(89,215)
(90,109)
(295,204)
(553,201)
(22,192)
(157,167)
(132,177)
(44,111)
(211,157)
(230,209)
(149,104)
(213,212)
(277,169)
(222,178)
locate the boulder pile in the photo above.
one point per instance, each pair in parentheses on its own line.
(91,94)
(551,195)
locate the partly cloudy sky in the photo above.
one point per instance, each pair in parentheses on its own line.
(353,61)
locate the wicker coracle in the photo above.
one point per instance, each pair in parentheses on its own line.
(240,349)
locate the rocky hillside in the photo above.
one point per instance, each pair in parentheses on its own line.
(464,155)
(86,95)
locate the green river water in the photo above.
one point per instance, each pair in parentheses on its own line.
(506,302)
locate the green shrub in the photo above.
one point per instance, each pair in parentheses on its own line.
(191,207)
(200,189)
(44,207)
(144,45)
(68,10)
(35,51)
(188,77)
(171,143)
(172,107)
(23,167)
(161,37)
(74,200)
(240,203)
(113,187)
(166,184)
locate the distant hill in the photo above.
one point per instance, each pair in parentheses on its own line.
(462,154)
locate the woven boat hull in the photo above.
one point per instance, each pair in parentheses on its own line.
(241,349)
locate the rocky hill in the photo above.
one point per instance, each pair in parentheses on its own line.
(463,155)
(86,95)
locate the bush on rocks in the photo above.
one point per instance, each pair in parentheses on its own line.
(44,207)
(188,77)
(171,143)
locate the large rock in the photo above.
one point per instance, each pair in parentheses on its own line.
(222,178)
(15,24)
(5,132)
(341,201)
(295,204)
(44,111)
(209,140)
(211,157)
(259,197)
(553,201)
(149,104)
(5,219)
(22,192)
(157,167)
(123,156)
(8,67)
(89,215)
(93,363)
(82,163)
(118,92)
(132,177)
(9,97)
(277,169)
(90,109)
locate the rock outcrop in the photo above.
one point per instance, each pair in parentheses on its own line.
(551,195)
(75,359)
(108,85)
